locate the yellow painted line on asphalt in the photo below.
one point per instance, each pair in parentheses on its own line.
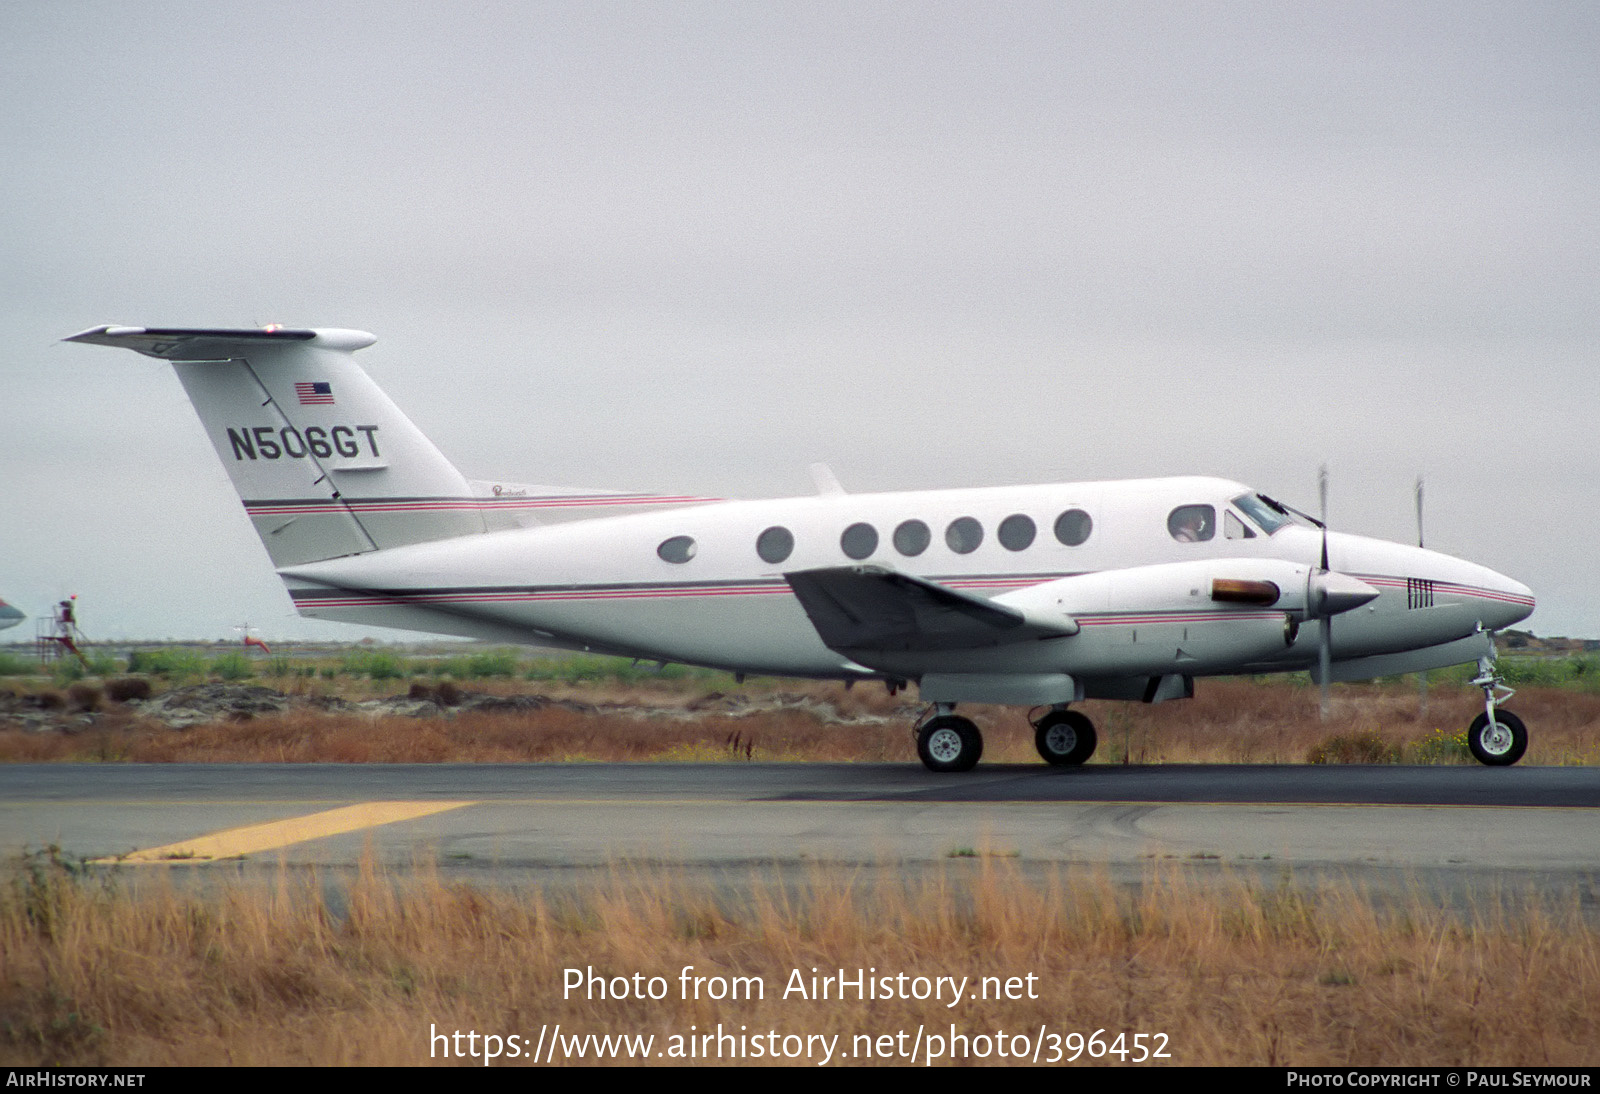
(253,838)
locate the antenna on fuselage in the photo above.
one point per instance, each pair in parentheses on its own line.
(826,482)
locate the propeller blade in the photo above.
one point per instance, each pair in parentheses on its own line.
(1322,492)
(1325,662)
(1419,510)
(1422,677)
(1330,596)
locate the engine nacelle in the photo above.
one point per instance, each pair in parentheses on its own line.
(1184,617)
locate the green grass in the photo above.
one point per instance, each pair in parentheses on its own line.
(1579,673)
(171,663)
(594,669)
(233,666)
(373,664)
(13,665)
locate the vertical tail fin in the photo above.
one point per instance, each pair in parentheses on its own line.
(325,463)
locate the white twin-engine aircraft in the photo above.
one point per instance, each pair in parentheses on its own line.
(1038,596)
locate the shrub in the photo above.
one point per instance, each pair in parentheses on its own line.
(177,663)
(84,695)
(1440,747)
(12,665)
(444,693)
(374,664)
(590,668)
(1364,747)
(494,663)
(233,666)
(1581,673)
(121,689)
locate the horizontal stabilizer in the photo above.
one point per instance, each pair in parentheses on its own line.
(870,608)
(216,343)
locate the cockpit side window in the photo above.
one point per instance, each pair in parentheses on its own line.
(1267,515)
(1192,523)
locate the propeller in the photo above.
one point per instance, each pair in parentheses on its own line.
(1419,510)
(1325,651)
(1422,677)
(1328,593)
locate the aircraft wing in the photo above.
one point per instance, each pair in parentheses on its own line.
(871,608)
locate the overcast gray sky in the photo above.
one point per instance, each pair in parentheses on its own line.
(697,246)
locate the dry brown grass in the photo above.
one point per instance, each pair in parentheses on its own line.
(1229,721)
(275,973)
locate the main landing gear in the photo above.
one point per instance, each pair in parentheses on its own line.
(1496,737)
(1064,737)
(948,742)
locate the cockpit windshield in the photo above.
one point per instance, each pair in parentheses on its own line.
(1268,514)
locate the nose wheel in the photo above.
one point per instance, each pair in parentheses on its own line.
(1496,737)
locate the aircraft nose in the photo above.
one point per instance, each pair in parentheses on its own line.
(1506,601)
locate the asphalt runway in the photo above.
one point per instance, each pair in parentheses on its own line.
(1462,834)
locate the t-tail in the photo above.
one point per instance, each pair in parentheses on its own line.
(325,463)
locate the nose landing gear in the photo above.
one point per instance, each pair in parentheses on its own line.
(1496,737)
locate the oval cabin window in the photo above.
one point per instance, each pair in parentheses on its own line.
(1017,532)
(1073,527)
(964,535)
(775,544)
(912,538)
(676,549)
(859,541)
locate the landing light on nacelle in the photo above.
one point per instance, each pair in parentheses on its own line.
(1234,591)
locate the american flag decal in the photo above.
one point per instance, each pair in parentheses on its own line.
(318,393)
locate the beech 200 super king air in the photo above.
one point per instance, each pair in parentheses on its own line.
(1038,596)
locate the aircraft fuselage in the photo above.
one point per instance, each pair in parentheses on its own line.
(604,583)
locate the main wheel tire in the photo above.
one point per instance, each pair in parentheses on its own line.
(1501,744)
(1064,738)
(949,743)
